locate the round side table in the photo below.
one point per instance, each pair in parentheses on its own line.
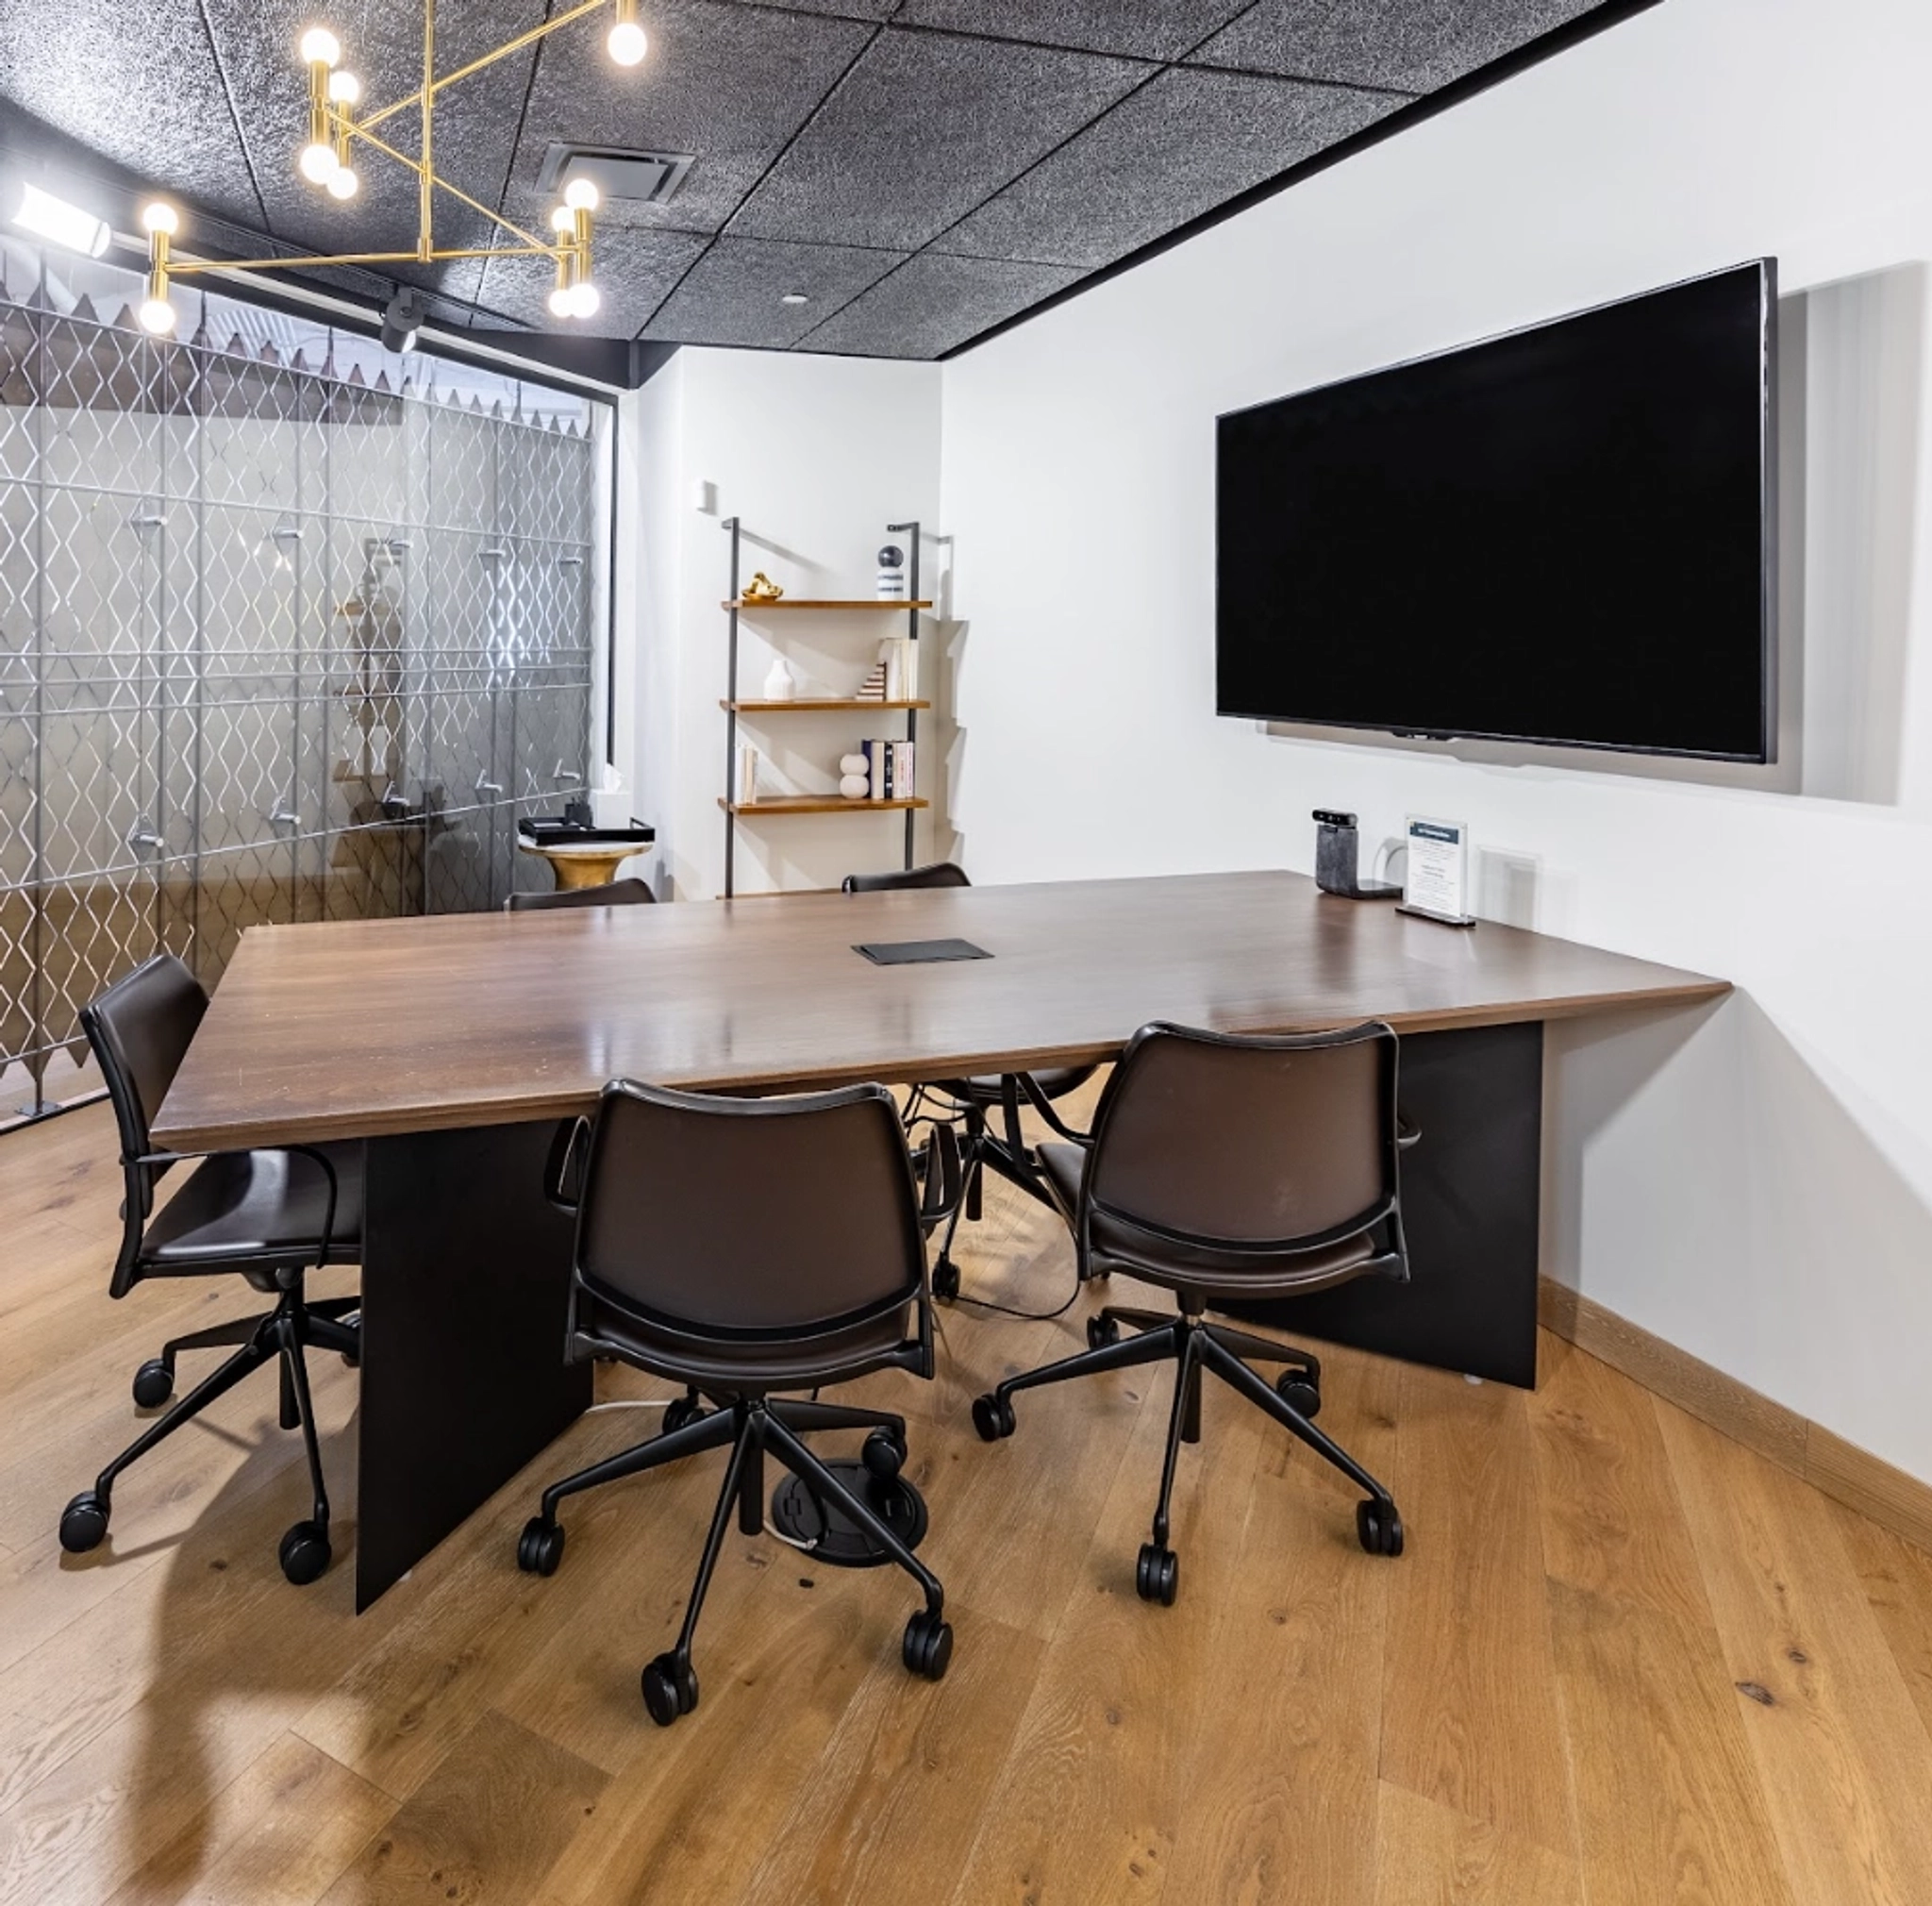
(584,863)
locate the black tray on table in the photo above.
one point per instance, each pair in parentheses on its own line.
(553,830)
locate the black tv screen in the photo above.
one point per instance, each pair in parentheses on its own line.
(1563,535)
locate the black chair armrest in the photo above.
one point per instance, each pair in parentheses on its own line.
(1407,1136)
(563,1170)
(309,1151)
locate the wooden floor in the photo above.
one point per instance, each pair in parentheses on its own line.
(1624,1659)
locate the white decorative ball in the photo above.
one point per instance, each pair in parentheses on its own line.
(852,764)
(855,787)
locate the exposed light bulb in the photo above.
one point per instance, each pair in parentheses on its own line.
(562,302)
(560,219)
(344,88)
(320,48)
(343,182)
(157,315)
(585,299)
(318,162)
(161,217)
(628,42)
(580,195)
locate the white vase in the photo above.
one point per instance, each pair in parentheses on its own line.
(780,684)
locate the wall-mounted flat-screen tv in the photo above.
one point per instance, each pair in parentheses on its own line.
(1565,535)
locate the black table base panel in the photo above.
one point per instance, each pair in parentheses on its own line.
(465,1283)
(1470,1203)
(833,1536)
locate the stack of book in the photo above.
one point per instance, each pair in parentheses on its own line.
(889,770)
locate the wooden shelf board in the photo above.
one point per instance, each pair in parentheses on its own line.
(802,706)
(815,804)
(823,602)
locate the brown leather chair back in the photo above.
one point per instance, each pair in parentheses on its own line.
(764,1217)
(617,893)
(1248,1143)
(939,874)
(140,1030)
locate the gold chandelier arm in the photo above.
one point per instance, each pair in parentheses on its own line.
(503,52)
(183,268)
(359,130)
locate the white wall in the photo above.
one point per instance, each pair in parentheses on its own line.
(1753,1181)
(815,456)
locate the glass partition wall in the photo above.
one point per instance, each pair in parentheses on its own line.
(290,628)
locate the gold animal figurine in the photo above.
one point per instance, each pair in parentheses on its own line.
(761,589)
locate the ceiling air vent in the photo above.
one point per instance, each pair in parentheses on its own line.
(635,177)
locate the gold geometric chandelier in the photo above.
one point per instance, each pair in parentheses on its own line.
(328,162)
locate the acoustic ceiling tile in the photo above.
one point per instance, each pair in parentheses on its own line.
(933,303)
(1181,145)
(736,293)
(635,272)
(728,85)
(924,127)
(1416,45)
(1146,29)
(150,99)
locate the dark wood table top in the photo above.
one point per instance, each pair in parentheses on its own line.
(354,1028)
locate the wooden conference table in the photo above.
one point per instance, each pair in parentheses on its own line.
(453,1043)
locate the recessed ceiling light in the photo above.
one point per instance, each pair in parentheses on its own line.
(794,298)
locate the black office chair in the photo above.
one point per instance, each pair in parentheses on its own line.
(743,1247)
(265,1216)
(1231,1168)
(967,1106)
(616,894)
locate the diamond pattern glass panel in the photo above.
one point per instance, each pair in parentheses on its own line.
(288,631)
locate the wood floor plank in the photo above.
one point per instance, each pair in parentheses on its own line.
(483,1828)
(1293,1691)
(890,1809)
(1842,1754)
(1612,1523)
(280,1834)
(1470,1713)
(1668,1798)
(1428,1854)
(1087,1807)
(698,1806)
(1896,1577)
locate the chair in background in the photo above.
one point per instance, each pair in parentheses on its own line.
(617,893)
(1231,1169)
(745,1248)
(967,1107)
(266,1216)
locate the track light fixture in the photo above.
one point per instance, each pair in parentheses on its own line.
(325,160)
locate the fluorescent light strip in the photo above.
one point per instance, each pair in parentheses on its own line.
(60,223)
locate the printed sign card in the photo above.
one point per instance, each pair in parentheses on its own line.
(1436,883)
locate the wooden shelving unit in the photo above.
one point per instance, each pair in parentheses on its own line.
(816,804)
(745,608)
(854,706)
(735,706)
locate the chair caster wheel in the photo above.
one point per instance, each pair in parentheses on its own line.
(883,1453)
(685,1410)
(928,1645)
(305,1553)
(153,1383)
(992,1416)
(84,1522)
(670,1689)
(1378,1527)
(1159,1576)
(1300,1393)
(539,1547)
(1102,1331)
(946,1280)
